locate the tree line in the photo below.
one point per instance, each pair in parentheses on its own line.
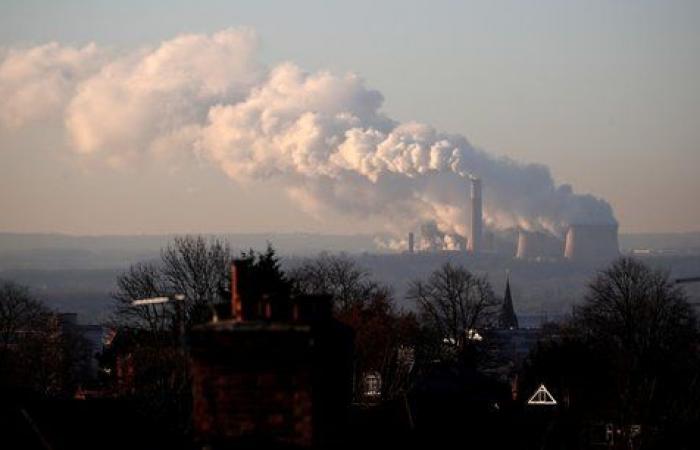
(628,354)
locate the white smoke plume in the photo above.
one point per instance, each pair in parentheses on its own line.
(323,135)
(36,83)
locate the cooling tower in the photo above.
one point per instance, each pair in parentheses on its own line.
(534,244)
(591,242)
(474,244)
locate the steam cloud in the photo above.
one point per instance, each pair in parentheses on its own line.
(322,134)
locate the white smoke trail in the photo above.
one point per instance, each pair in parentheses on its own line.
(322,134)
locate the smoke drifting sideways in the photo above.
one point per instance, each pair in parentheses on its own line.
(323,136)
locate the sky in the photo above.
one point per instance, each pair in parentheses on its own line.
(603,93)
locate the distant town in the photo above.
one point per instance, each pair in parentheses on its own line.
(78,273)
(202,346)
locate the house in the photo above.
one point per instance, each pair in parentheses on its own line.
(277,374)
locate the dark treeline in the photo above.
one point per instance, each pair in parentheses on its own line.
(628,356)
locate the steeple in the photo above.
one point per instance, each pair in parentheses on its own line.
(507,318)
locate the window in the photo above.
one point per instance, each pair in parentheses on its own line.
(373,384)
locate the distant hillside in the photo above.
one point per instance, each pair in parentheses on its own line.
(53,251)
(78,273)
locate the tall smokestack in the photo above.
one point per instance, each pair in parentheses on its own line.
(411,242)
(475,236)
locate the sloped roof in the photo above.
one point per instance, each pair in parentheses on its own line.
(507,317)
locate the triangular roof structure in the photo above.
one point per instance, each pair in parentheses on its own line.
(507,318)
(542,397)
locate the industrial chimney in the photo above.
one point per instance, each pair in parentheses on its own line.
(474,244)
(591,242)
(411,243)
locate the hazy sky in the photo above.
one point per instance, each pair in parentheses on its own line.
(605,93)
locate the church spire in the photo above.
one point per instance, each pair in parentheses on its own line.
(507,318)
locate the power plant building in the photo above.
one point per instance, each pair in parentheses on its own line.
(582,242)
(585,242)
(536,244)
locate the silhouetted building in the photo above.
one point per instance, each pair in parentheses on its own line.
(129,353)
(507,318)
(91,338)
(278,374)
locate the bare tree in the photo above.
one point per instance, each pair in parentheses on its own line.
(192,266)
(338,276)
(146,363)
(454,303)
(142,280)
(23,321)
(646,328)
(384,336)
(384,344)
(36,352)
(634,307)
(200,270)
(19,313)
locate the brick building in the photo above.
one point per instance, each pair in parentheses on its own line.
(278,374)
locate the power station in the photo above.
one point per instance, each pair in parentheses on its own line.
(582,242)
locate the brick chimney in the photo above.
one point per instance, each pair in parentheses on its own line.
(278,375)
(236,295)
